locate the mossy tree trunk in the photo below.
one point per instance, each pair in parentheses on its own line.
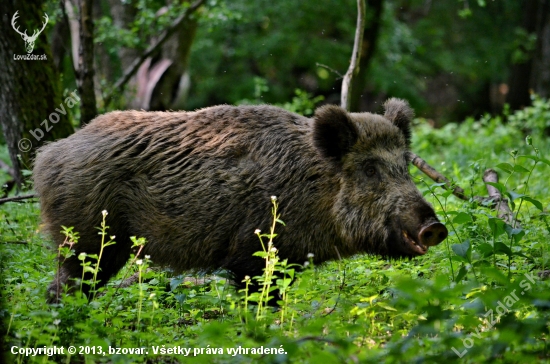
(30,90)
(85,73)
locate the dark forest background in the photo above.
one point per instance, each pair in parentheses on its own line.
(450,59)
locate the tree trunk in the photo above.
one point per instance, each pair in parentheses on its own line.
(368,46)
(520,75)
(29,89)
(540,78)
(167,90)
(85,82)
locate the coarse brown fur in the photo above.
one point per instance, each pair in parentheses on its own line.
(197,185)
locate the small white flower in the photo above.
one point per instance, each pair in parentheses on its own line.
(246,278)
(273,198)
(104,213)
(310,255)
(274,250)
(139,262)
(147,257)
(306,264)
(113,237)
(56,322)
(152,295)
(257,231)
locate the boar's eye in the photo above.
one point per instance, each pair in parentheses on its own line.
(370,171)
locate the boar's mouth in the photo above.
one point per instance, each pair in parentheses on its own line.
(415,247)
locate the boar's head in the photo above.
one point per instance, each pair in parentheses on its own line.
(378,209)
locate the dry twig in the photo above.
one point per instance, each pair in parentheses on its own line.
(16,198)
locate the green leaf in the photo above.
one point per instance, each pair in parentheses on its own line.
(461,274)
(498,186)
(514,196)
(447,193)
(535,203)
(506,167)
(462,250)
(502,248)
(517,234)
(462,218)
(386,307)
(496,225)
(486,249)
(520,169)
(174,283)
(533,157)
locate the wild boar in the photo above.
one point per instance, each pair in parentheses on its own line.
(197,185)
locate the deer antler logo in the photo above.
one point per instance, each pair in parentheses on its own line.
(29,41)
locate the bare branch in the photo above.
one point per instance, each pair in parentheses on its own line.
(330,69)
(132,69)
(436,176)
(353,69)
(15,199)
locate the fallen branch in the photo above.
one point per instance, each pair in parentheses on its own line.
(353,69)
(495,200)
(132,69)
(500,204)
(436,176)
(15,199)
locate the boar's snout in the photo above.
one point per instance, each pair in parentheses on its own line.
(432,234)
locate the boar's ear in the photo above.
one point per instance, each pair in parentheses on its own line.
(334,133)
(400,114)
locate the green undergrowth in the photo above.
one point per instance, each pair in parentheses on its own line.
(480,296)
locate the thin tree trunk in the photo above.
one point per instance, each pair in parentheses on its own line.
(353,69)
(88,108)
(29,90)
(368,46)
